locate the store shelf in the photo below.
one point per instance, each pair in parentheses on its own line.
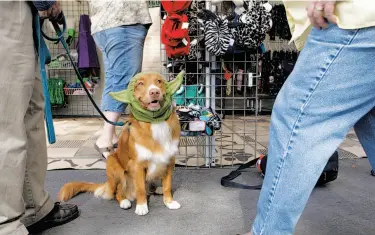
(78,91)
(64,65)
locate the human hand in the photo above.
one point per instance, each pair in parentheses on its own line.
(52,13)
(319,12)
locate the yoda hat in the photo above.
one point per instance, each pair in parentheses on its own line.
(141,114)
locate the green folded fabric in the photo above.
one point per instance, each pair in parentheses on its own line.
(56,91)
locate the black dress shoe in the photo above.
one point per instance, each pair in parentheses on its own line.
(372,172)
(60,214)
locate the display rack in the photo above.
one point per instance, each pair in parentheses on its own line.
(238,102)
(75,101)
(236,130)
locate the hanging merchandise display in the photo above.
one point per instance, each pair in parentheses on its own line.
(175,35)
(230,32)
(183,36)
(175,7)
(280,27)
(87,55)
(218,37)
(223,67)
(56,91)
(253,24)
(175,30)
(192,58)
(196,31)
(224,75)
(71,29)
(68,95)
(276,68)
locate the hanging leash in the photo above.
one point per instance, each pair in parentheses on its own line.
(45,58)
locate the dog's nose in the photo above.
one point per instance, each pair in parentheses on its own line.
(154,92)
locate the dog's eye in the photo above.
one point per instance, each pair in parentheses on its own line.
(159,81)
(140,83)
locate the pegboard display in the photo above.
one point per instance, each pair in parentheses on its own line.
(67,95)
(236,59)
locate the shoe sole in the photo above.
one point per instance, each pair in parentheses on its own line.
(54,224)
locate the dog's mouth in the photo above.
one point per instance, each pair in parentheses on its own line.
(154,105)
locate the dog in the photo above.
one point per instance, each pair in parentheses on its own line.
(146,150)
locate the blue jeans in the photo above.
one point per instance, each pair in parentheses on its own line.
(331,89)
(122,49)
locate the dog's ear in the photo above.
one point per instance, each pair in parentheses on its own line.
(122,96)
(175,84)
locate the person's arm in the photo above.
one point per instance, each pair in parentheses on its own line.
(48,8)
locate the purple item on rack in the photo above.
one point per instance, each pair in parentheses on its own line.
(86,48)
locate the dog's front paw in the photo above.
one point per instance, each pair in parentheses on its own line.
(141,209)
(172,205)
(125,204)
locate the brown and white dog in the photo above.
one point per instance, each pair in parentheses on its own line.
(146,153)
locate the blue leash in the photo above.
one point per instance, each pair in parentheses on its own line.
(45,58)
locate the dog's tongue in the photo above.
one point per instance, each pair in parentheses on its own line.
(154,104)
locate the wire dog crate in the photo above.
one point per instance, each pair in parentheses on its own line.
(238,88)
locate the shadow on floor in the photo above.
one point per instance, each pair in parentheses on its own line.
(344,207)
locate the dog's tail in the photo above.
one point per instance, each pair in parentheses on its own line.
(69,190)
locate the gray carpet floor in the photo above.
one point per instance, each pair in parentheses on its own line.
(344,207)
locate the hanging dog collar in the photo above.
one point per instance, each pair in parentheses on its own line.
(141,114)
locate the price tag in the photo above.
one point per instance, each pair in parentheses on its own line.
(184,41)
(250,80)
(185,25)
(268,6)
(231,42)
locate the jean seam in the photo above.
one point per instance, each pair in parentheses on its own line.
(288,148)
(253,232)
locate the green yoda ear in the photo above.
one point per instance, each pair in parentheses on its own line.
(175,84)
(122,96)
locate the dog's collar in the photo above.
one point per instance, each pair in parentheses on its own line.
(139,113)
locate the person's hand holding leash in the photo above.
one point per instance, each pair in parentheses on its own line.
(321,13)
(53,13)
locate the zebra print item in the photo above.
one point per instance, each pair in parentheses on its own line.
(217,36)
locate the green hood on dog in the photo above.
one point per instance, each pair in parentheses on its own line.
(141,114)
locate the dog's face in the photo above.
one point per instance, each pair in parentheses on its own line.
(150,91)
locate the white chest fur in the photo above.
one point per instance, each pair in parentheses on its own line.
(162,134)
